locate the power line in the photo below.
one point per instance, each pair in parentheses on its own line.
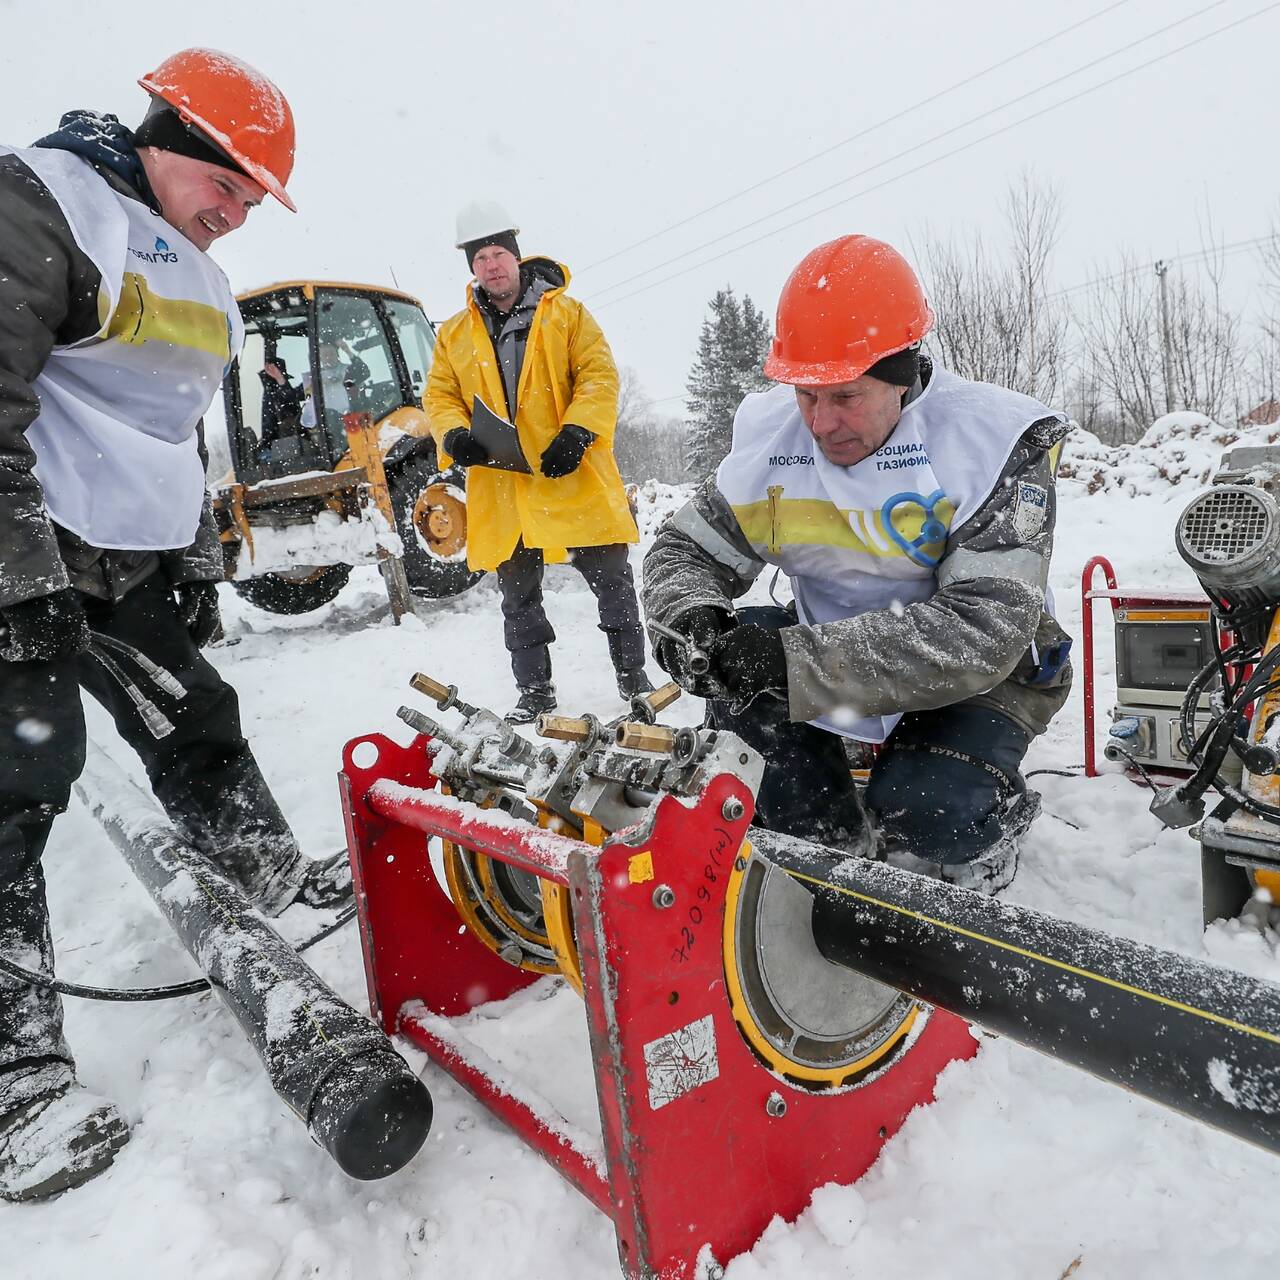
(880,164)
(1215,251)
(955,151)
(836,146)
(1223,250)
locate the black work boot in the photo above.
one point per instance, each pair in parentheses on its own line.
(633,683)
(57,1141)
(535,699)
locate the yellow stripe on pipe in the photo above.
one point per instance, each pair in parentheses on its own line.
(1047,960)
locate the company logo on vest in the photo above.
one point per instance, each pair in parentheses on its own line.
(162,252)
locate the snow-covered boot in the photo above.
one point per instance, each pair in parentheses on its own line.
(633,683)
(57,1141)
(328,882)
(994,868)
(314,882)
(535,700)
(989,872)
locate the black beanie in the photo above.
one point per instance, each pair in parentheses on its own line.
(901,369)
(504,240)
(163,129)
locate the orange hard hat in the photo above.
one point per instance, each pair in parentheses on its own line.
(849,303)
(236,107)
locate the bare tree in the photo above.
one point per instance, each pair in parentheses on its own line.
(1206,343)
(1123,339)
(975,303)
(1033,211)
(995,321)
(646,446)
(1265,355)
(1121,342)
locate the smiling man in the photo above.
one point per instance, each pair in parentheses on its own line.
(115,330)
(913,513)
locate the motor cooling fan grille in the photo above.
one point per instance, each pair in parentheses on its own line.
(1225,526)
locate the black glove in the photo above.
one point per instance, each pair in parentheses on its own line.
(464,448)
(563,455)
(749,660)
(703,625)
(43,629)
(198,611)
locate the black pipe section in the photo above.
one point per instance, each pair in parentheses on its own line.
(334,1069)
(1198,1038)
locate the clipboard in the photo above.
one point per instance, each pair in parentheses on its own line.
(499,437)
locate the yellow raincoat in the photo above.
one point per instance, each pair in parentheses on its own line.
(568,376)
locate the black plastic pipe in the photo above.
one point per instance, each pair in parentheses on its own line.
(1201,1039)
(332,1067)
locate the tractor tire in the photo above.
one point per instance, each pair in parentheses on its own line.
(430,507)
(277,594)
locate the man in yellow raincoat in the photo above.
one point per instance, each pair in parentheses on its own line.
(535,355)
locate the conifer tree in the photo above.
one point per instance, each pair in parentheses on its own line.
(730,363)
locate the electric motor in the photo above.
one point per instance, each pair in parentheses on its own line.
(1230,536)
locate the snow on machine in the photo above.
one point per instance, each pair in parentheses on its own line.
(332,462)
(763,1012)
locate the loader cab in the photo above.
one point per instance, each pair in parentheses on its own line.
(312,353)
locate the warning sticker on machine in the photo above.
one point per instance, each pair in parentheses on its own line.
(680,1061)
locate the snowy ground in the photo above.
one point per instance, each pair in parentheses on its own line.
(1022,1169)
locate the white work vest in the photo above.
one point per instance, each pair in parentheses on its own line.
(115,441)
(870,536)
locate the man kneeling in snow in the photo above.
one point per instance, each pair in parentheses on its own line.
(913,512)
(115,331)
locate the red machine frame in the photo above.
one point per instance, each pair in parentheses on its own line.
(1126,599)
(702,1144)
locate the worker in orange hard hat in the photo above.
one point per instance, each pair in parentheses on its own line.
(912,511)
(116,328)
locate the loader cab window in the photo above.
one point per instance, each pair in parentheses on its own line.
(356,368)
(272,439)
(417,341)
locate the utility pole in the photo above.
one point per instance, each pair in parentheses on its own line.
(1162,270)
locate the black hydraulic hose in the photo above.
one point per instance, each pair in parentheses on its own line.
(1196,1037)
(173,991)
(1219,736)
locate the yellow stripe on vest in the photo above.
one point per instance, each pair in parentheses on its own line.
(776,522)
(143,316)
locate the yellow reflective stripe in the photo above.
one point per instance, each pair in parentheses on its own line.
(1055,456)
(776,522)
(144,316)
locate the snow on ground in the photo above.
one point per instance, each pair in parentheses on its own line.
(1023,1168)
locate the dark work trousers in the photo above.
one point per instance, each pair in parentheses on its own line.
(203,773)
(526,629)
(924,798)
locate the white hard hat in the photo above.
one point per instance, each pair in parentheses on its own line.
(480,218)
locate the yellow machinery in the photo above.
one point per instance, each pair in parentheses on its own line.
(306,499)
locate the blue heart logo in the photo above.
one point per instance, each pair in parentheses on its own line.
(932,531)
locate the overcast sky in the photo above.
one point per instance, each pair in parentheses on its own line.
(601,124)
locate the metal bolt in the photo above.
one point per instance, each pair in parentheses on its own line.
(775,1105)
(732,809)
(739,863)
(664,896)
